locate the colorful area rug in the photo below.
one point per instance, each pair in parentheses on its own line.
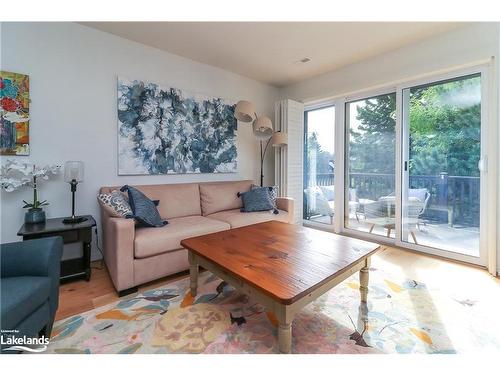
(402,316)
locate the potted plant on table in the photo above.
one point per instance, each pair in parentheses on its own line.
(15,175)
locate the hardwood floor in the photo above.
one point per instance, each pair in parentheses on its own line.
(81,296)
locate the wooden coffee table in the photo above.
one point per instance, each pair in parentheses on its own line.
(283,266)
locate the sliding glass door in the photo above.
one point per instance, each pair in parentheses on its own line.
(319,166)
(370,165)
(410,167)
(441,197)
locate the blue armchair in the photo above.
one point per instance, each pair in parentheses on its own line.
(30,285)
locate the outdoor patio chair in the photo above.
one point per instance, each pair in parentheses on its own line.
(379,213)
(418,199)
(317,203)
(321,199)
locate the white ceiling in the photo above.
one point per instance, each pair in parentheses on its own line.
(269,51)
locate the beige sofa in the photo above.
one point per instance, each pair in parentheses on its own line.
(135,255)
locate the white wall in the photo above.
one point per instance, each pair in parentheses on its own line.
(461,46)
(73,71)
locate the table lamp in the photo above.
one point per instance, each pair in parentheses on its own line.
(73,174)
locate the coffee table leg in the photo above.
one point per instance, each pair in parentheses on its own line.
(285,338)
(363,280)
(284,314)
(193,273)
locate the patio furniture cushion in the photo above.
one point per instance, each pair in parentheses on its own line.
(236,219)
(317,202)
(154,241)
(21,296)
(328,192)
(420,194)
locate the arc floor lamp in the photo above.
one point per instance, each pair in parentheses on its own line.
(262,130)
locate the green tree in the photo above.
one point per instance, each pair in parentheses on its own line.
(372,143)
(445,124)
(445,128)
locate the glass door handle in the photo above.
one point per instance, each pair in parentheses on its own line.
(482,164)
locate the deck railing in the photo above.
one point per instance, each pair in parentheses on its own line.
(453,199)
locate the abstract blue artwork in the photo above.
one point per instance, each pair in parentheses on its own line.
(164,130)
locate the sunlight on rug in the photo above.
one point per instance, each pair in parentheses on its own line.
(402,316)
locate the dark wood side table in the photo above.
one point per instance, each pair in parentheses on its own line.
(80,232)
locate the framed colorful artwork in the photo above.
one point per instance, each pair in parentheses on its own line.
(15,114)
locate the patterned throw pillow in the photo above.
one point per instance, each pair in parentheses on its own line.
(115,204)
(143,209)
(256,199)
(273,194)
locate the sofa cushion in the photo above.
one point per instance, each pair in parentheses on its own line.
(236,218)
(21,296)
(222,196)
(153,241)
(176,200)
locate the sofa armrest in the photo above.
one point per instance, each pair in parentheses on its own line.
(286,204)
(39,257)
(119,234)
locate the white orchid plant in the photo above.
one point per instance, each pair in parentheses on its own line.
(15,174)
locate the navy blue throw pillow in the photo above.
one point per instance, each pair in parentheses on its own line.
(143,209)
(273,194)
(256,200)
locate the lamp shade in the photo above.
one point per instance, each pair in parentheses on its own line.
(244,111)
(279,139)
(73,170)
(263,127)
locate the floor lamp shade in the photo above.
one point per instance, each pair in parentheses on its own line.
(244,111)
(263,127)
(279,139)
(73,170)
